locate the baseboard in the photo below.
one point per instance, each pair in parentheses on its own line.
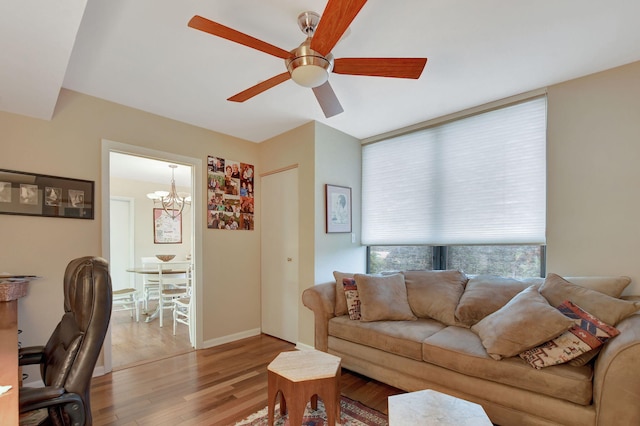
(230,338)
(304,347)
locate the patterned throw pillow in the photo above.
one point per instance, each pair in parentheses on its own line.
(353,300)
(587,334)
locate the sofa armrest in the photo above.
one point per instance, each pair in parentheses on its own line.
(321,299)
(616,380)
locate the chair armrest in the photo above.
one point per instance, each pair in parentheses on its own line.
(31,355)
(51,396)
(321,299)
(616,379)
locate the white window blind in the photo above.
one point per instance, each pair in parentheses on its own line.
(476,180)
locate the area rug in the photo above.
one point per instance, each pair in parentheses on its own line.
(352,413)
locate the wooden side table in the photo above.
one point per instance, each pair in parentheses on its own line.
(300,376)
(428,407)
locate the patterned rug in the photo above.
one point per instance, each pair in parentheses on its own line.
(352,413)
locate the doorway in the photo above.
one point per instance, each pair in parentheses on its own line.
(129,342)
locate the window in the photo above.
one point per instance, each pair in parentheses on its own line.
(505,260)
(467,190)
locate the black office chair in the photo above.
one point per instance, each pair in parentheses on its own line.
(69,357)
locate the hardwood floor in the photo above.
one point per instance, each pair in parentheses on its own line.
(216,386)
(134,343)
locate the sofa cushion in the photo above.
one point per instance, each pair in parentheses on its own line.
(353,300)
(525,321)
(341,300)
(402,338)
(383,298)
(611,286)
(485,294)
(606,308)
(435,294)
(587,333)
(459,349)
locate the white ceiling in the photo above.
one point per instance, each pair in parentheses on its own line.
(142,54)
(144,169)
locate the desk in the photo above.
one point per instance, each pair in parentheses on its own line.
(179,270)
(9,401)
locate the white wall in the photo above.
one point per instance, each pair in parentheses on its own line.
(144,242)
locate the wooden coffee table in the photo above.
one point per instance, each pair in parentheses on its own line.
(303,376)
(428,407)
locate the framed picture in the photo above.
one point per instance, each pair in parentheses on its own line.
(32,194)
(338,203)
(166,230)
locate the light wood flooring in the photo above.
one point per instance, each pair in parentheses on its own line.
(216,386)
(133,343)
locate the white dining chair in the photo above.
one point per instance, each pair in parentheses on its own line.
(149,282)
(126,299)
(172,286)
(182,313)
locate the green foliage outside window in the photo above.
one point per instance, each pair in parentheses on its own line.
(507,261)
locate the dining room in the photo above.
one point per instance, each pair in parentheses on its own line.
(149,238)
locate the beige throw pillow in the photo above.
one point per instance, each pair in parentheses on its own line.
(383,298)
(526,321)
(485,294)
(435,294)
(611,286)
(606,308)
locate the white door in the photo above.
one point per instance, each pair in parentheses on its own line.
(121,237)
(279,236)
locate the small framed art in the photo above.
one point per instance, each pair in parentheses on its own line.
(338,204)
(166,230)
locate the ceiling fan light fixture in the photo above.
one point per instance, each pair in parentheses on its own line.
(307,67)
(309,75)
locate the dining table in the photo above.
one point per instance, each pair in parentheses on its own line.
(180,268)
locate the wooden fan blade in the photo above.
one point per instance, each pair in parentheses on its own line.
(381,67)
(219,30)
(260,87)
(328,100)
(335,20)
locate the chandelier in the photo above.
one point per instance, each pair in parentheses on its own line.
(172,201)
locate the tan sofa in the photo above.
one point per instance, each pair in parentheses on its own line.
(425,353)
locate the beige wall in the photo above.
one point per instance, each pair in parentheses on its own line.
(70,145)
(593,180)
(593,187)
(323,155)
(338,162)
(296,148)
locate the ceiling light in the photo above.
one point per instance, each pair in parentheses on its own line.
(172,201)
(307,67)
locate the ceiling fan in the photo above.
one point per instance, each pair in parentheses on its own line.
(310,63)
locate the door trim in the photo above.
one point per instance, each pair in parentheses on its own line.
(109,146)
(131,204)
